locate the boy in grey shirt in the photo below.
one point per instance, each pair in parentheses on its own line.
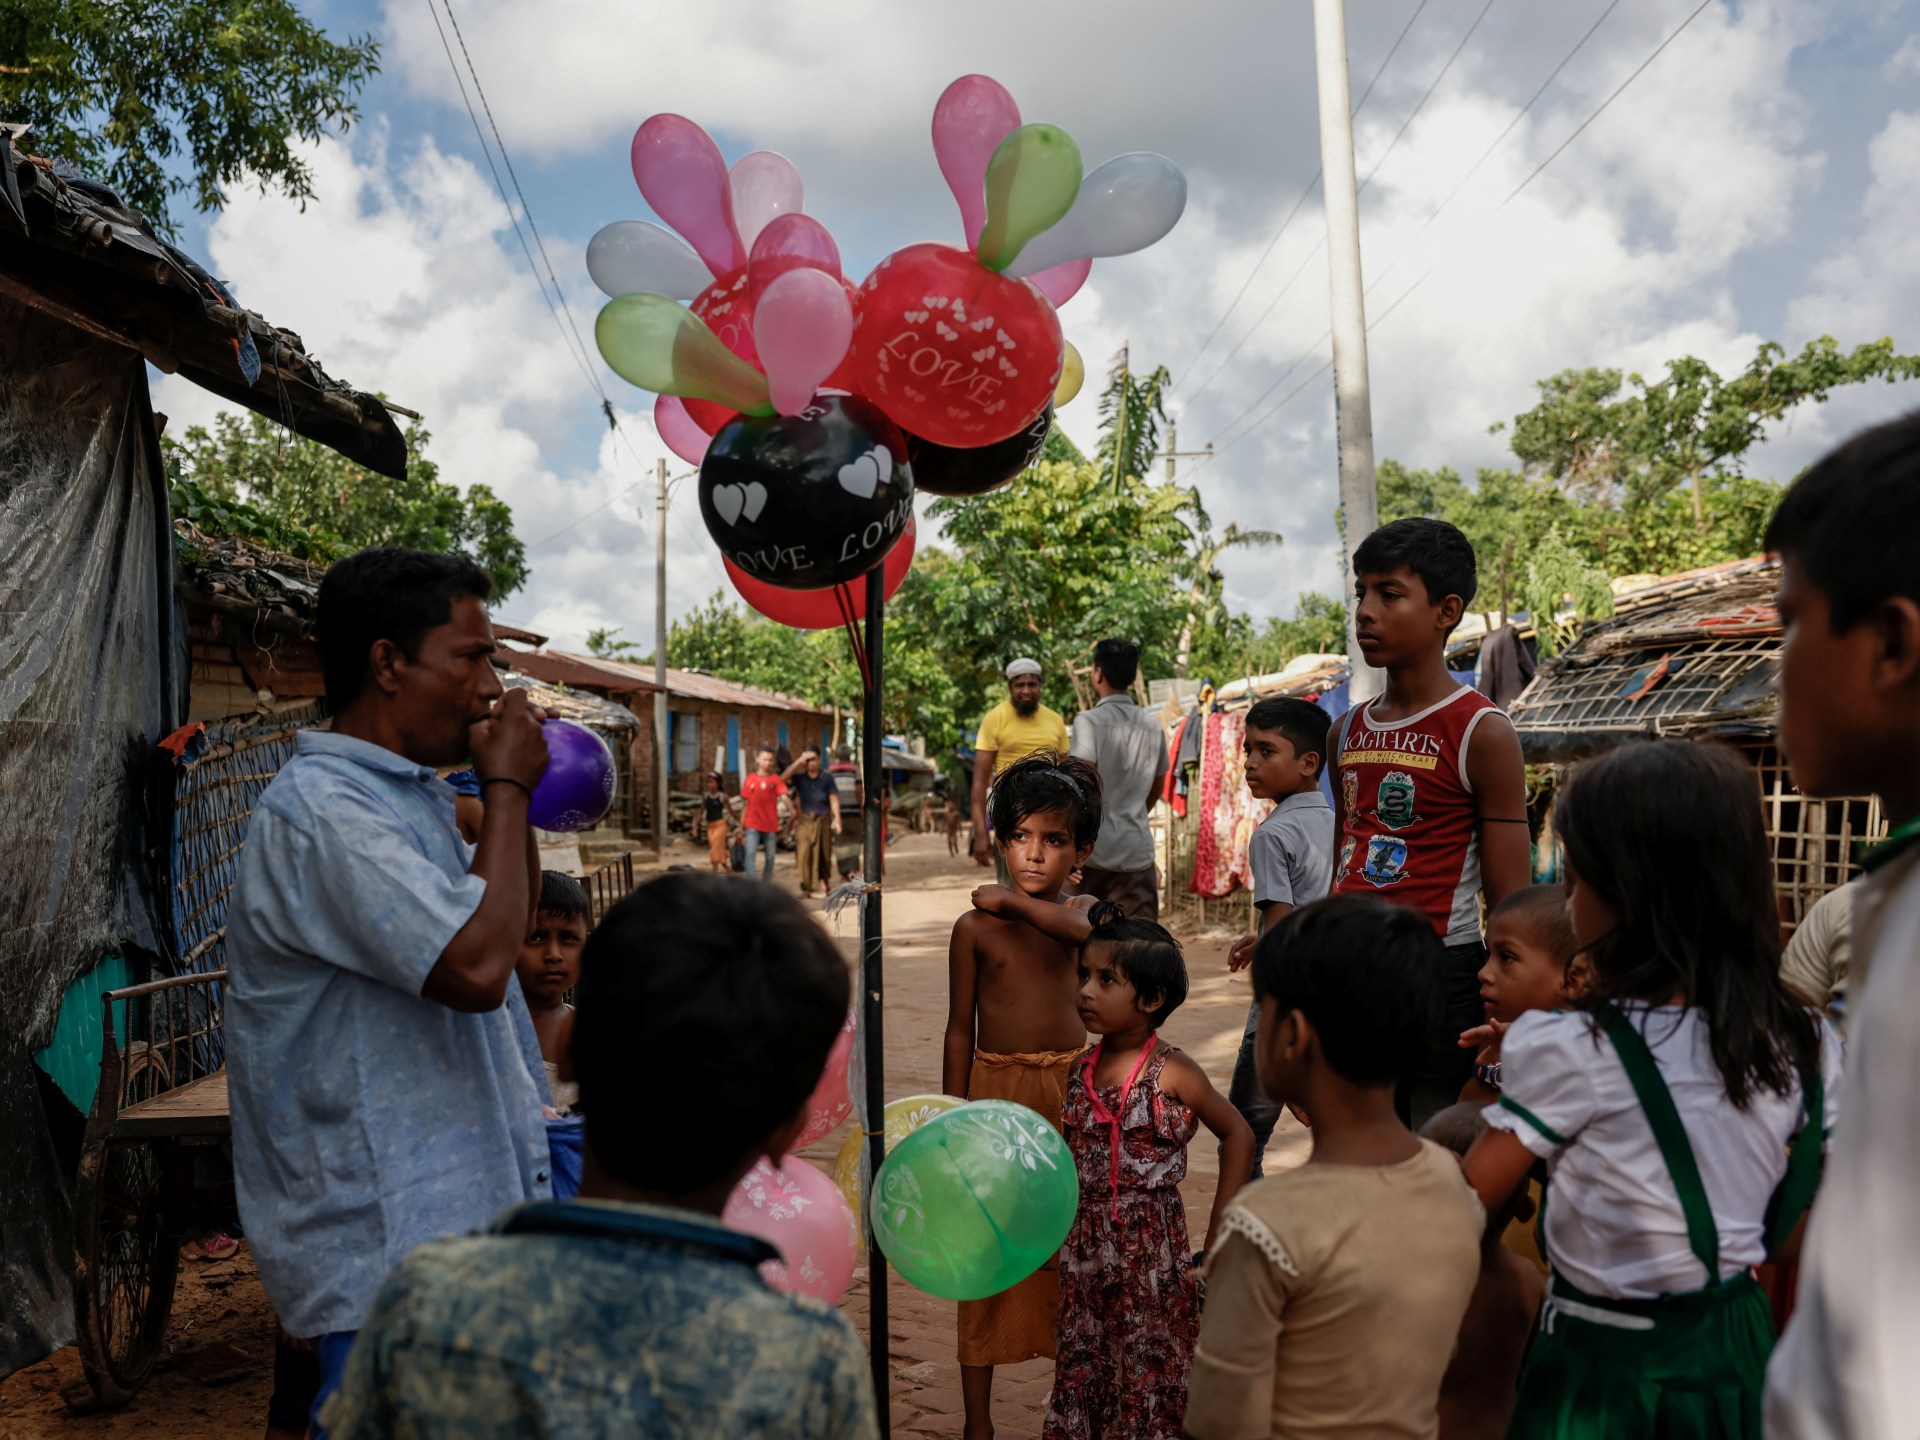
(1292,859)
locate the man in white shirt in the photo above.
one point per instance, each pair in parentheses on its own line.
(1128,748)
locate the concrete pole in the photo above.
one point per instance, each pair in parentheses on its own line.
(1353,406)
(662,761)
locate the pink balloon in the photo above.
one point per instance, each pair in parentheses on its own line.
(764,185)
(802,1214)
(973,115)
(684,178)
(677,430)
(802,326)
(790,242)
(831,1102)
(1060,283)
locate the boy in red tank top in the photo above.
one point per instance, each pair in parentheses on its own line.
(1429,794)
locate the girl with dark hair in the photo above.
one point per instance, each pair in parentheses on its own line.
(1680,1110)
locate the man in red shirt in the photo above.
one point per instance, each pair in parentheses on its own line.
(762,791)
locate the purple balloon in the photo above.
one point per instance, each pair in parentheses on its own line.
(578,786)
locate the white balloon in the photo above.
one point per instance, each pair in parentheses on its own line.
(1124,205)
(630,257)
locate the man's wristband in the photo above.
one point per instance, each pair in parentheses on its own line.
(508,780)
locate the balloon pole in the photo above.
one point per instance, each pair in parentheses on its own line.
(871,990)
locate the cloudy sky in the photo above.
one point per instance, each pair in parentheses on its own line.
(1760,180)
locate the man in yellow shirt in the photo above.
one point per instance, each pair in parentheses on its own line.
(1012,730)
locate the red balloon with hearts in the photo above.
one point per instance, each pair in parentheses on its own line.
(820,609)
(952,351)
(727,307)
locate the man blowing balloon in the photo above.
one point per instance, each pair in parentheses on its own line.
(380,1091)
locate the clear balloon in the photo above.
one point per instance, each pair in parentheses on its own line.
(1032,181)
(824,609)
(660,346)
(1073,374)
(797,1210)
(576,788)
(975,1200)
(973,116)
(1125,205)
(684,178)
(1060,283)
(792,242)
(630,256)
(953,352)
(764,185)
(677,430)
(802,324)
(902,1118)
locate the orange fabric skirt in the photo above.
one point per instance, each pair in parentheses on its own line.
(717,842)
(1024,1321)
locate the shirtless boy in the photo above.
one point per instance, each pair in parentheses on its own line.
(1013,1021)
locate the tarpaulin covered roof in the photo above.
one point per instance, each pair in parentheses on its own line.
(70,248)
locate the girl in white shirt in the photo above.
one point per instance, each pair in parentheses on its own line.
(1680,1110)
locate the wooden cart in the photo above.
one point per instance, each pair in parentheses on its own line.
(153,1172)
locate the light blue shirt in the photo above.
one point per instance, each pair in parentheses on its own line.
(366,1119)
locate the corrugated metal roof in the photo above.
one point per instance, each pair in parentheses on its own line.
(559,667)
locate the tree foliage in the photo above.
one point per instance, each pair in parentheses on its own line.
(263,479)
(160,98)
(1132,410)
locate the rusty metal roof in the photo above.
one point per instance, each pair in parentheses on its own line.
(559,667)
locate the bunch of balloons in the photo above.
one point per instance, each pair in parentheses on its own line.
(975,1200)
(815,408)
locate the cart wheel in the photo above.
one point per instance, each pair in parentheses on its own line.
(125,1262)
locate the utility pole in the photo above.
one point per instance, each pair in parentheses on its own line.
(1353,405)
(662,762)
(1173,451)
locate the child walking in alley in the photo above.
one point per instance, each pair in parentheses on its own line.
(1680,1109)
(1129,1307)
(1013,1022)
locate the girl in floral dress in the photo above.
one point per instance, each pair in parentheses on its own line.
(1129,1307)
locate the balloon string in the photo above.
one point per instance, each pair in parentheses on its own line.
(843,597)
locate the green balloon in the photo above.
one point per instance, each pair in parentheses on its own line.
(1032,181)
(975,1200)
(660,345)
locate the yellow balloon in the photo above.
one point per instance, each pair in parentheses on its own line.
(1073,374)
(903,1117)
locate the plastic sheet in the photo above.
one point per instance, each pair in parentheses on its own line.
(88,683)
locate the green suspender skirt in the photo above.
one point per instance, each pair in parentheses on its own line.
(1680,1366)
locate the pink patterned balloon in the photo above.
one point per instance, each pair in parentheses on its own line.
(790,242)
(802,325)
(973,115)
(831,1101)
(684,178)
(764,185)
(802,1214)
(1060,283)
(677,430)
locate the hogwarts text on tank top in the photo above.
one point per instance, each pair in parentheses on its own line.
(1409,833)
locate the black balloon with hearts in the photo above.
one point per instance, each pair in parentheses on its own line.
(810,500)
(944,470)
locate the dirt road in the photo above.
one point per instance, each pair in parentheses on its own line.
(215,1379)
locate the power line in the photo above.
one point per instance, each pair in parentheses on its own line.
(1487,154)
(1241,293)
(1532,175)
(1412,115)
(569,331)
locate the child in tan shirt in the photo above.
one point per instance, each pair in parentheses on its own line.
(1335,1291)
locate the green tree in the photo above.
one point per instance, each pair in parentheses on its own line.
(1132,410)
(604,642)
(1560,578)
(305,486)
(168,97)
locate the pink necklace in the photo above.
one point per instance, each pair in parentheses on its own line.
(1111,1118)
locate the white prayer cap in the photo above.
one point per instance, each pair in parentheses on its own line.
(1022,666)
